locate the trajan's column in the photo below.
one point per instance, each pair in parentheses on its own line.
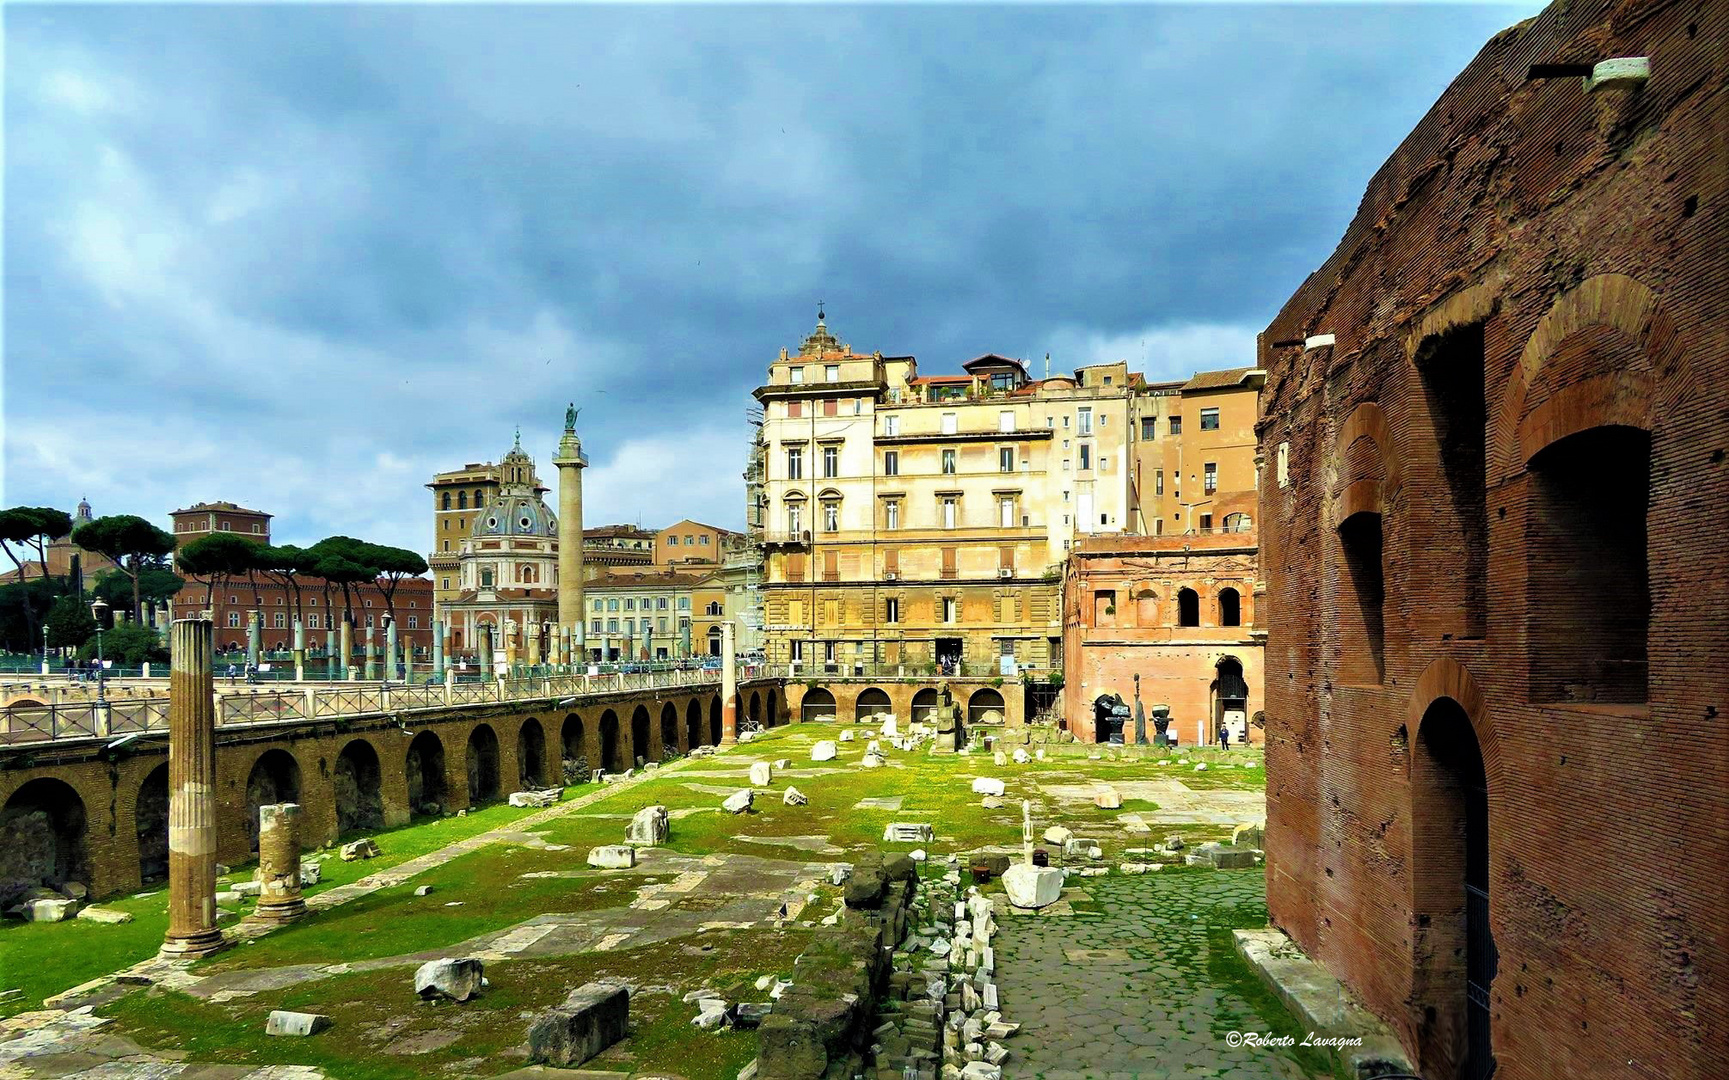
(570,461)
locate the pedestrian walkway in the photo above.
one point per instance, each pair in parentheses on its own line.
(1149,989)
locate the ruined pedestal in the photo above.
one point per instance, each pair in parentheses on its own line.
(279,898)
(192,928)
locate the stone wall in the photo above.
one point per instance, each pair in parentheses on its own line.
(353,772)
(903,694)
(1492,530)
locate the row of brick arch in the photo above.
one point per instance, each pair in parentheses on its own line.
(352,783)
(982,705)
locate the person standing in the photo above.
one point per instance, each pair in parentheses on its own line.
(1224,737)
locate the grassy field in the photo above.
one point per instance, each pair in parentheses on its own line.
(381,1030)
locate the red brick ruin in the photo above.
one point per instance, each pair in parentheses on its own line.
(1496,561)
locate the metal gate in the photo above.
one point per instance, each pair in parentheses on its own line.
(1480,963)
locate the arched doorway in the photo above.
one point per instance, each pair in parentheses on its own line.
(275,778)
(818,705)
(1108,718)
(755,711)
(530,756)
(692,725)
(872,701)
(1230,700)
(639,746)
(714,720)
(925,703)
(150,823)
(424,768)
(482,764)
(47,818)
(359,803)
(1456,951)
(668,730)
(985,707)
(772,712)
(575,748)
(1230,607)
(609,756)
(1188,608)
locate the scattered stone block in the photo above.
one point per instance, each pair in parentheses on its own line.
(248,888)
(1138,867)
(865,888)
(1173,842)
(991,802)
(825,749)
(281,1022)
(738,802)
(988,785)
(104,915)
(1020,756)
(750,1014)
(1058,834)
(1108,799)
(1033,886)
(612,857)
(848,735)
(711,1018)
(457,979)
(1076,847)
(648,827)
(1202,767)
(761,773)
(75,890)
(48,910)
(996,864)
(795,797)
(891,729)
(535,798)
(782,764)
(1251,834)
(873,761)
(359,849)
(591,1019)
(917,855)
(838,873)
(1221,857)
(909,832)
(423,890)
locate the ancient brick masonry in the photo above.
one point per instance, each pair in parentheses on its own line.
(1497,582)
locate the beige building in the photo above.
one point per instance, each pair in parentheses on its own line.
(1193,446)
(691,546)
(641,615)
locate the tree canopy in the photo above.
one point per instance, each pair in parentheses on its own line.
(131,542)
(70,623)
(33,527)
(215,558)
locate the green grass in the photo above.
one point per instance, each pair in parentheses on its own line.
(44,959)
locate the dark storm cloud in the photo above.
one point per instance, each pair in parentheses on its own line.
(302,257)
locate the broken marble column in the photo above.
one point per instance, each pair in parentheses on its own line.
(728,687)
(192,928)
(279,897)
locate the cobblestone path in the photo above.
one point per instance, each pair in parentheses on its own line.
(1148,989)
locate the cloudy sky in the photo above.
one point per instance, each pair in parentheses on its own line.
(303,257)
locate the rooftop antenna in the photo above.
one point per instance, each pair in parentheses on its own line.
(1047,365)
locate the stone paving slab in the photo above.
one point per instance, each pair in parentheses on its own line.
(1178,803)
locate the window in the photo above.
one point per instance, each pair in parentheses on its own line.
(1206,523)
(256,529)
(612,626)
(831,406)
(1237,522)
(795,463)
(672,541)
(1158,481)
(892,425)
(648,603)
(1006,513)
(1084,421)
(684,603)
(828,652)
(1209,419)
(796,374)
(1209,477)
(414,622)
(950,423)
(1104,607)
(660,603)
(659,624)
(594,626)
(831,461)
(891,463)
(948,461)
(612,604)
(445,584)
(486,577)
(794,410)
(1188,608)
(831,516)
(234,618)
(1176,425)
(795,518)
(278,620)
(949,609)
(369,622)
(892,514)
(447,545)
(1065,421)
(1005,421)
(1230,608)
(630,603)
(630,626)
(1006,459)
(1362,646)
(1086,456)
(1065,464)
(831,373)
(224,527)
(948,513)
(703,542)
(797,650)
(892,610)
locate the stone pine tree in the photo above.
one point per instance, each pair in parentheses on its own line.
(216,559)
(283,564)
(394,564)
(133,543)
(32,528)
(346,562)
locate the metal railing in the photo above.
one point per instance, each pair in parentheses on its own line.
(805,670)
(90,720)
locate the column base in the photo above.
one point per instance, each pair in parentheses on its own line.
(193,946)
(283,911)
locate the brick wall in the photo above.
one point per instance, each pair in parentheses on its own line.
(1527,405)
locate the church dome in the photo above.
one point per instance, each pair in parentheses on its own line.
(516,515)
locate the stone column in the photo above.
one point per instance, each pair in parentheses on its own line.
(279,863)
(532,632)
(570,461)
(728,687)
(390,653)
(254,631)
(330,658)
(192,928)
(438,648)
(346,644)
(371,654)
(299,650)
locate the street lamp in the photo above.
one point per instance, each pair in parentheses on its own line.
(97,610)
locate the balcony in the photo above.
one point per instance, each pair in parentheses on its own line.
(786,538)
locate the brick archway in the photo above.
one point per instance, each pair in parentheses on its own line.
(1366,421)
